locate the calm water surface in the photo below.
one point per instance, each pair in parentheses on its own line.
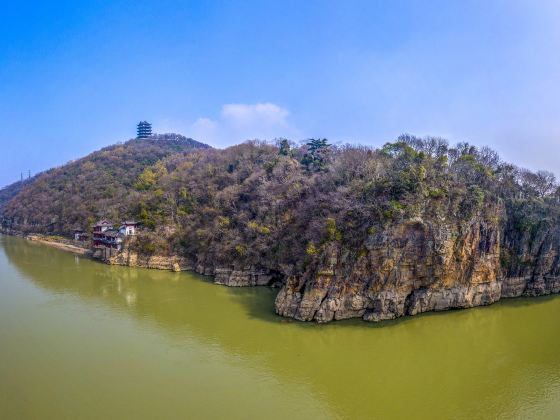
(79,340)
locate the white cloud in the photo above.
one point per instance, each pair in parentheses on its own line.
(237,123)
(251,115)
(203,129)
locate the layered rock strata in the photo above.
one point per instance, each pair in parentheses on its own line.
(421,266)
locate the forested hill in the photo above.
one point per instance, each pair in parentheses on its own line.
(98,185)
(280,206)
(10,191)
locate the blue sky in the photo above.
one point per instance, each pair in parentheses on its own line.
(77,76)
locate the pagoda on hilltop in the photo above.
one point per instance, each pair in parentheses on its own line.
(144,130)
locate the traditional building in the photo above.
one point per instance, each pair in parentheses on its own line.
(144,130)
(113,239)
(99,230)
(80,235)
(106,236)
(128,228)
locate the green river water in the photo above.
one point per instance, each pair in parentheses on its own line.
(81,340)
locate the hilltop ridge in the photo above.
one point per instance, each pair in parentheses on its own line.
(10,191)
(79,192)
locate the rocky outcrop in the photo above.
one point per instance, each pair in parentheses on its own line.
(228,276)
(248,276)
(531,260)
(133,259)
(530,286)
(421,266)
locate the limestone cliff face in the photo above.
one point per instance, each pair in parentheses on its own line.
(234,277)
(532,262)
(237,277)
(410,268)
(131,258)
(419,266)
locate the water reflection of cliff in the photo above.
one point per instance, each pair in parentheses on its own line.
(477,363)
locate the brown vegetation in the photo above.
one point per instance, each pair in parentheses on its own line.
(100,185)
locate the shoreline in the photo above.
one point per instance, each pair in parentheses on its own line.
(59,245)
(124,258)
(504,289)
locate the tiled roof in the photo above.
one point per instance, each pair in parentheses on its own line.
(112,233)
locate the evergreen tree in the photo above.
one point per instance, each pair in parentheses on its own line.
(284,146)
(315,158)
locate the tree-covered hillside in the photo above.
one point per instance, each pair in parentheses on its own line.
(10,191)
(98,185)
(281,206)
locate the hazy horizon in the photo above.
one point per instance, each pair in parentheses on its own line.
(76,78)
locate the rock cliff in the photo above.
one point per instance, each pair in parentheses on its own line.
(421,266)
(131,258)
